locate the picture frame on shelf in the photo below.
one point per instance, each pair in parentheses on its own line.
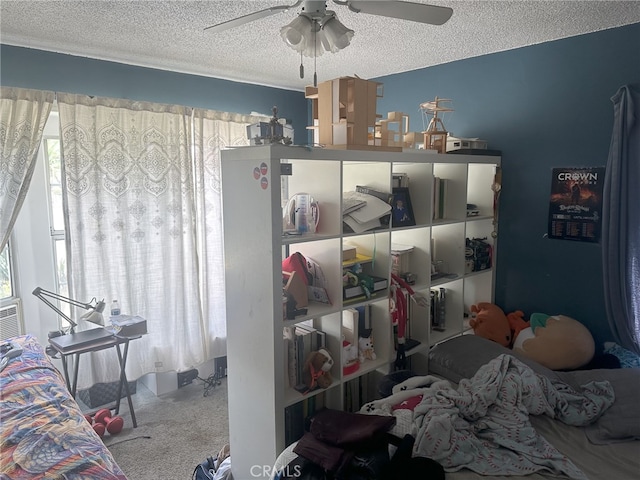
(402,211)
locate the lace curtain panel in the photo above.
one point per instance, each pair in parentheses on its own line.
(23,114)
(213,132)
(142,186)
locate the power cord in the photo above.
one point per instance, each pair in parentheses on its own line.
(127,440)
(211,381)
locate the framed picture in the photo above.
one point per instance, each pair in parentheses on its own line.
(402,212)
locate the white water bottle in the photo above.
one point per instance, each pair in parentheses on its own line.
(115,308)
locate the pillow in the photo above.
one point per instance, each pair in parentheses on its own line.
(621,421)
(462,356)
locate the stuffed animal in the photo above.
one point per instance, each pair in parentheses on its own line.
(490,322)
(517,323)
(350,362)
(365,350)
(558,342)
(317,370)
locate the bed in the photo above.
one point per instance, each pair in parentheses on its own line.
(483,412)
(43,433)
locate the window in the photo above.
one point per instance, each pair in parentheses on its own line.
(6,276)
(56,212)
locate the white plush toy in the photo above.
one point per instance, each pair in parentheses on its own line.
(365,350)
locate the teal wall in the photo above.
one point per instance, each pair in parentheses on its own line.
(28,68)
(543,106)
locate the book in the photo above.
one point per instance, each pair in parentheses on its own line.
(317,337)
(294,422)
(438,309)
(442,203)
(305,338)
(379,283)
(364,319)
(436,198)
(288,334)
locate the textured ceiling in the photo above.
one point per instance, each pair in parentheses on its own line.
(170,35)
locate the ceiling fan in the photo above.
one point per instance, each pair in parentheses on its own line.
(317,29)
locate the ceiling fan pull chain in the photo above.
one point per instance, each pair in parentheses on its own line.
(315,55)
(301,67)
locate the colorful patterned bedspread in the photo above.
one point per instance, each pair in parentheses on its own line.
(43,433)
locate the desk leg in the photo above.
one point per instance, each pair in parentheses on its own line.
(122,358)
(65,369)
(75,374)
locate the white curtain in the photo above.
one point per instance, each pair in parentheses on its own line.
(213,132)
(143,192)
(131,227)
(23,114)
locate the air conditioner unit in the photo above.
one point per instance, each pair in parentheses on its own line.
(11,321)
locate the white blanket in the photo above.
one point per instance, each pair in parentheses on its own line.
(483,424)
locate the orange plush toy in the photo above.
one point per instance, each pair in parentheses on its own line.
(490,322)
(517,323)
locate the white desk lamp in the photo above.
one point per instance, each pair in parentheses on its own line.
(95,307)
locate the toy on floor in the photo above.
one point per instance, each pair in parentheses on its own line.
(558,342)
(489,321)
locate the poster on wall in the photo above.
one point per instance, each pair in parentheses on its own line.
(575,207)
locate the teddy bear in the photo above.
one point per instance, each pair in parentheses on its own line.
(317,370)
(489,321)
(558,342)
(365,350)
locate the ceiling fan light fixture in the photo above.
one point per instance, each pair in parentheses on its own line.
(337,36)
(296,33)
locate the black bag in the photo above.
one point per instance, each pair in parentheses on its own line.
(205,471)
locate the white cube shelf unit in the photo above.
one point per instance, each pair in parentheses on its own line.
(260,398)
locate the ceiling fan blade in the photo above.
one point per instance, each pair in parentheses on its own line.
(417,12)
(236,22)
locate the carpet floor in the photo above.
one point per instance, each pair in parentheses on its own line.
(176,431)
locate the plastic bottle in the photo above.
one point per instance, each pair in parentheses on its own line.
(115,308)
